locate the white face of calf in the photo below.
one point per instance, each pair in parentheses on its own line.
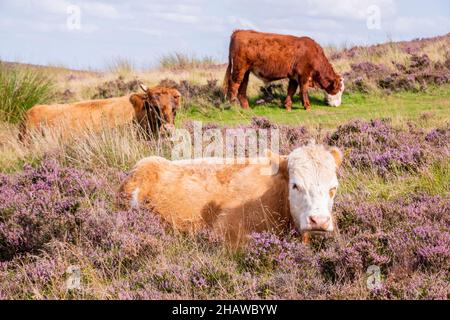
(336,100)
(312,186)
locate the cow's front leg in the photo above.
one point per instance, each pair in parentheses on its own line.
(304,92)
(293,85)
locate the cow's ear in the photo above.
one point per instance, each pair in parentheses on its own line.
(136,100)
(337,155)
(277,161)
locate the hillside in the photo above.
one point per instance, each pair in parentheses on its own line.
(59,208)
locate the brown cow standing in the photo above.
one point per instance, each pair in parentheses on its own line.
(273,57)
(154,110)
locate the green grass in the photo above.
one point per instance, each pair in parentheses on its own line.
(425,108)
(433,180)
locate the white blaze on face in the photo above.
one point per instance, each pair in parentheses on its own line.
(336,100)
(312,186)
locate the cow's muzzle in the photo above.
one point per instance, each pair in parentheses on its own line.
(320,223)
(167,129)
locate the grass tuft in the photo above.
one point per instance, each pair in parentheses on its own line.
(182,61)
(20,89)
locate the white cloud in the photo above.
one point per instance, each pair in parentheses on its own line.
(419,25)
(99,9)
(176,17)
(347,9)
(350,9)
(94,8)
(146,31)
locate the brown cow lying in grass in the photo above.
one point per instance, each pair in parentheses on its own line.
(273,57)
(237,199)
(154,110)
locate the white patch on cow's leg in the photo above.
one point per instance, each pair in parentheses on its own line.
(134,202)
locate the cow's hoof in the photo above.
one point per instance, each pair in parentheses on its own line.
(307,108)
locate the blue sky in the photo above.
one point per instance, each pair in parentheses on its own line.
(45,31)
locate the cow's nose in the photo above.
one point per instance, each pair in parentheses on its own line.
(319,222)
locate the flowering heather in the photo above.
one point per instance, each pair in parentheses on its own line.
(53,217)
(414,76)
(439,137)
(378,145)
(368,68)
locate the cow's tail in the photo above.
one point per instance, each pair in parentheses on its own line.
(226,80)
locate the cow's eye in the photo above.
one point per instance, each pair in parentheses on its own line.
(295,187)
(333,192)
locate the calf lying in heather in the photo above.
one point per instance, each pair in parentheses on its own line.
(154,110)
(237,199)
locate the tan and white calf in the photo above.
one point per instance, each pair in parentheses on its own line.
(237,199)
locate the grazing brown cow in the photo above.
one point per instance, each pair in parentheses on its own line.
(273,57)
(239,198)
(154,110)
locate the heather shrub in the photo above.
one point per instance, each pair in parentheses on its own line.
(205,96)
(379,146)
(272,93)
(439,137)
(418,73)
(406,232)
(52,194)
(65,96)
(266,252)
(116,88)
(52,202)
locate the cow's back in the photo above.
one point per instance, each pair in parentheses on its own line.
(76,117)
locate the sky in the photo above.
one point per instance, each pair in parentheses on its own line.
(93,34)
